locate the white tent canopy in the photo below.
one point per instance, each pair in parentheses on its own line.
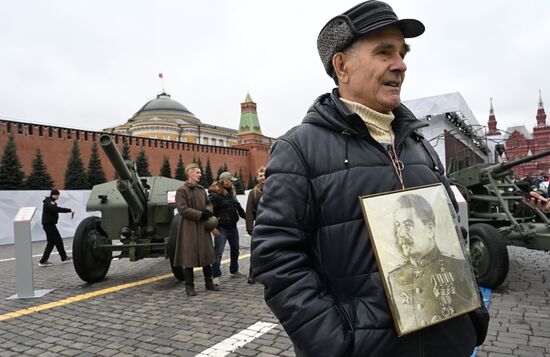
(441,104)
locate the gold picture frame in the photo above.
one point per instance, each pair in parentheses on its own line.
(420,256)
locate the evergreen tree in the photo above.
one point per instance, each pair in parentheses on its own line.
(11,172)
(220,170)
(39,178)
(166,170)
(251,181)
(180,170)
(142,164)
(75,174)
(96,175)
(239,185)
(125,150)
(202,181)
(208,173)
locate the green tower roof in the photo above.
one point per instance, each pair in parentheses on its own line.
(249,123)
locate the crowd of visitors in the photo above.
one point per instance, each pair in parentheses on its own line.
(194,246)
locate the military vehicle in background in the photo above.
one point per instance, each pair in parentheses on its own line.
(498,216)
(137,220)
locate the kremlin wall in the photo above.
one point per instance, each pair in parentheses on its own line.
(162,127)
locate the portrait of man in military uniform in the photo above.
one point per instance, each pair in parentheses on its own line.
(426,286)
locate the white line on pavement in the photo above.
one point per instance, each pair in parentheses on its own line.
(34,256)
(236,341)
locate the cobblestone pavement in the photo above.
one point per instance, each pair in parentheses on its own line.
(520,308)
(157,318)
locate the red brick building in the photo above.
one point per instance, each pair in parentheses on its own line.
(519,142)
(55,144)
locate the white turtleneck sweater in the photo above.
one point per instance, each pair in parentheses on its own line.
(378,124)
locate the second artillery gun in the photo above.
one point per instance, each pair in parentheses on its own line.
(137,219)
(498,216)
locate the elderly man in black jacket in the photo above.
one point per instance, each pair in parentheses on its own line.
(311,247)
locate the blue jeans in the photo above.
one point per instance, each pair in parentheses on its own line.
(230,235)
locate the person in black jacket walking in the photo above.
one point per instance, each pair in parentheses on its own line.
(227,209)
(310,246)
(50,216)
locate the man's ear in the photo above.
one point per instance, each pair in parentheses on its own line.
(340,68)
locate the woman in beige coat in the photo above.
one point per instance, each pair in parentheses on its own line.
(194,245)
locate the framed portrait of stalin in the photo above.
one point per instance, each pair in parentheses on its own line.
(420,255)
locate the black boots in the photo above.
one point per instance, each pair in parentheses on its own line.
(189,279)
(250,276)
(209,284)
(190,290)
(189,282)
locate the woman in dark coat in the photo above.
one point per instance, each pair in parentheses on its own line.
(194,245)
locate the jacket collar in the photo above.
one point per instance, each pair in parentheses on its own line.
(191,186)
(333,114)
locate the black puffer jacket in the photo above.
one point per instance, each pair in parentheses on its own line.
(226,207)
(311,248)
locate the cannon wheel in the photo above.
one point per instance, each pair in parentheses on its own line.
(489,255)
(91,264)
(174,228)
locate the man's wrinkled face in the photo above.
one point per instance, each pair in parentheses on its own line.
(194,175)
(376,70)
(413,238)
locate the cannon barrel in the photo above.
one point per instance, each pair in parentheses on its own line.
(135,205)
(114,157)
(505,166)
(129,183)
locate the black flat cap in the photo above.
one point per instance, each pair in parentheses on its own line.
(342,30)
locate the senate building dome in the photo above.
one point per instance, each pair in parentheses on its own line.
(167,119)
(163,107)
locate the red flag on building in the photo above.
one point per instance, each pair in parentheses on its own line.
(160,75)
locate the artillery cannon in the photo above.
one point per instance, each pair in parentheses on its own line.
(135,212)
(497,216)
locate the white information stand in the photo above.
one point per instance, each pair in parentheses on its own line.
(23,256)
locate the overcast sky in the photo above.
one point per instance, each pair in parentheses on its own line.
(93,64)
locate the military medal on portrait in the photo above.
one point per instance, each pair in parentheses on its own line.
(421,256)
